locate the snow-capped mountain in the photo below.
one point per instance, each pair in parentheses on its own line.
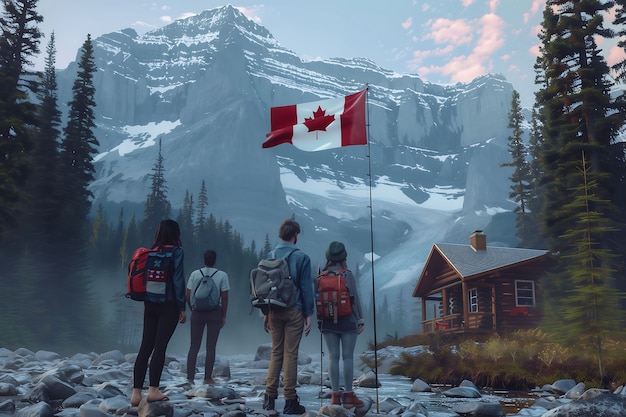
(204,87)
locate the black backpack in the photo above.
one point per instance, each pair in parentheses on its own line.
(271,284)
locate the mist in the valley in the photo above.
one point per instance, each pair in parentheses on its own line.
(243,331)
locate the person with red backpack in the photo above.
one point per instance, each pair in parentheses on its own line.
(339,324)
(164,308)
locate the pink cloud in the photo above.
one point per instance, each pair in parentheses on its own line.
(251,13)
(493,5)
(492,37)
(534,8)
(457,32)
(464,68)
(615,55)
(407,23)
(467,3)
(534,50)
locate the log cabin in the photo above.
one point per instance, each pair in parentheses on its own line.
(478,290)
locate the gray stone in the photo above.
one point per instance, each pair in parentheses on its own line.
(79,398)
(479,409)
(40,409)
(114,404)
(154,409)
(367,380)
(7,407)
(606,405)
(576,391)
(420,386)
(561,386)
(47,356)
(462,392)
(7,389)
(92,410)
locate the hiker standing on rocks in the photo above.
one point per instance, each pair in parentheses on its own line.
(340,332)
(209,312)
(160,318)
(286,325)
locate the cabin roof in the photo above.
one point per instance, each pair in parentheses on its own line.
(468,262)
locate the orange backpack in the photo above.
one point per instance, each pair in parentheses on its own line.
(332,298)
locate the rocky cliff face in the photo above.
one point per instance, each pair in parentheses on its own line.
(203,86)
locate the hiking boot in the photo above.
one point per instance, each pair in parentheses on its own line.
(269,403)
(293,407)
(350,400)
(335,398)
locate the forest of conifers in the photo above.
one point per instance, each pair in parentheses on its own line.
(568,180)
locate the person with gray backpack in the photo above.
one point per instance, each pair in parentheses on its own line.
(207,296)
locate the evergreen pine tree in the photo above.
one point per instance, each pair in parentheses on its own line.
(79,145)
(579,115)
(534,236)
(19,41)
(591,301)
(40,214)
(201,209)
(520,178)
(157,206)
(78,321)
(185,219)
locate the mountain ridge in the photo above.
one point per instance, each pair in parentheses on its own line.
(433,157)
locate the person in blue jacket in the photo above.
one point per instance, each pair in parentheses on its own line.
(286,325)
(160,319)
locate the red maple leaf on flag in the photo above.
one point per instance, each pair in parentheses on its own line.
(320,120)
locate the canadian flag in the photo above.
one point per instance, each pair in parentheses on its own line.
(320,125)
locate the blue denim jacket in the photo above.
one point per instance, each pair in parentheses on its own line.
(300,263)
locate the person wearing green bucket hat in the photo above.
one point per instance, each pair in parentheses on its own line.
(340,331)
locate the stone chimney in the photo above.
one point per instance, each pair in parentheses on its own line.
(478,240)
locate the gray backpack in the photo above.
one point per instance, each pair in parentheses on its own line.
(271,285)
(206,295)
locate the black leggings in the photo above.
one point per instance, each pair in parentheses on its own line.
(159,323)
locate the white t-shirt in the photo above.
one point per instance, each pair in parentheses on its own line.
(220,278)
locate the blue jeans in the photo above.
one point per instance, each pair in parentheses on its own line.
(345,341)
(286,327)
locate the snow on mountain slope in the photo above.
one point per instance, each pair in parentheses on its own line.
(203,87)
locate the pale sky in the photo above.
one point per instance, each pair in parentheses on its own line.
(443,41)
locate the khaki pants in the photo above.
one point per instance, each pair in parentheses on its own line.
(286,327)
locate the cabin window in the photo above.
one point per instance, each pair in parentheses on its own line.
(525,293)
(473,300)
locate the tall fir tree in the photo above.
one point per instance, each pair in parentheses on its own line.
(157,207)
(201,209)
(79,144)
(19,41)
(579,114)
(185,218)
(588,314)
(620,201)
(520,178)
(40,213)
(534,236)
(79,319)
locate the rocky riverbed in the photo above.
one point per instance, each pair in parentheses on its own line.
(44,384)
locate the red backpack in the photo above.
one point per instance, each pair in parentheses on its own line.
(136,282)
(149,273)
(332,298)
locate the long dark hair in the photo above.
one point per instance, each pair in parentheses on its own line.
(168,233)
